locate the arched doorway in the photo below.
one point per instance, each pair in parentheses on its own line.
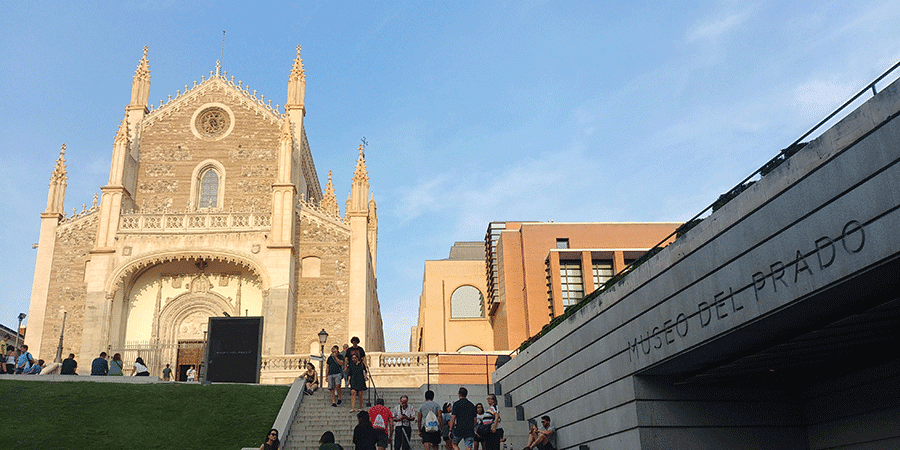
(164,311)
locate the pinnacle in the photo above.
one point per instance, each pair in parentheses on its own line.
(143,67)
(297,71)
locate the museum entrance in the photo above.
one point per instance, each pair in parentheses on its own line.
(190,353)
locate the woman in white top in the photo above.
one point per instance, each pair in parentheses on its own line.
(140,369)
(10,360)
(492,441)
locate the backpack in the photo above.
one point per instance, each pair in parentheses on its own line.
(431,423)
(379,423)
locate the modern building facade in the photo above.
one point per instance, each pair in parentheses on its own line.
(493,295)
(769,324)
(213,208)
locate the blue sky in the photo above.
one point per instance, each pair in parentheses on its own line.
(473,111)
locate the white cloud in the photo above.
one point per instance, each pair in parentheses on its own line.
(818,97)
(715,28)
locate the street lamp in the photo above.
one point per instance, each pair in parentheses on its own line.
(59,348)
(18,330)
(323,336)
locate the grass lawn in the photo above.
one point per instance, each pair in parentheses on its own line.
(84,415)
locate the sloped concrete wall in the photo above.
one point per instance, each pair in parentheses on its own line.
(826,214)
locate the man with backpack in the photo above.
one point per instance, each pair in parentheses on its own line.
(25,360)
(382,422)
(429,421)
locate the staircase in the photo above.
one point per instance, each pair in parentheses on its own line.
(316,416)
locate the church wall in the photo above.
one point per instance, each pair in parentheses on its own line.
(74,241)
(374,327)
(176,278)
(323,282)
(170,153)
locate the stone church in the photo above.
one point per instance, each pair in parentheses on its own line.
(213,208)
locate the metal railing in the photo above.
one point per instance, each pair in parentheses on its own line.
(770,165)
(782,156)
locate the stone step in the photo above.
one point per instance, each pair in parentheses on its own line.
(316,415)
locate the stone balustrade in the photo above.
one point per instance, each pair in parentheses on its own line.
(213,221)
(397,369)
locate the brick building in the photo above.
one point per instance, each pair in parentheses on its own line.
(493,295)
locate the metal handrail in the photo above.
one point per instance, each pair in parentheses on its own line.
(780,154)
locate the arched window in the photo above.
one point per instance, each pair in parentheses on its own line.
(466,302)
(209,189)
(468,349)
(208,186)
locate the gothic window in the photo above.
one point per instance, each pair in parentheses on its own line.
(209,189)
(208,185)
(466,302)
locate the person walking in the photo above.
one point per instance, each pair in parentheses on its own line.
(380,417)
(167,373)
(364,436)
(429,422)
(462,421)
(403,415)
(357,371)
(493,439)
(336,365)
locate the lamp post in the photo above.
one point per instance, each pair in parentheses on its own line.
(18,330)
(323,336)
(59,347)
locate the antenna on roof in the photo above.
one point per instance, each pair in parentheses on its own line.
(223,48)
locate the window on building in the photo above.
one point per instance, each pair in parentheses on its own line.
(602,271)
(469,349)
(467,302)
(209,189)
(311,267)
(571,282)
(562,243)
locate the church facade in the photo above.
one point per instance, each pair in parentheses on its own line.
(213,208)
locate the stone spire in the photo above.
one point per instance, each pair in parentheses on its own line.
(140,85)
(329,201)
(372,231)
(120,150)
(296,85)
(57,194)
(359,193)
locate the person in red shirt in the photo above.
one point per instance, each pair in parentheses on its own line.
(382,420)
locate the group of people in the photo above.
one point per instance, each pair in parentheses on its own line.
(347,367)
(101,366)
(20,361)
(461,425)
(470,425)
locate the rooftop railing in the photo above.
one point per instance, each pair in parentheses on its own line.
(723,199)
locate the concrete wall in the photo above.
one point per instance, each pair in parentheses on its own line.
(827,214)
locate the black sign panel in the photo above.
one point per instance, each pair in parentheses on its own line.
(234,349)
